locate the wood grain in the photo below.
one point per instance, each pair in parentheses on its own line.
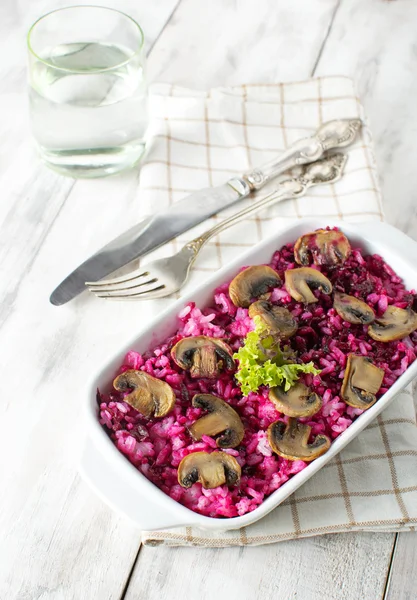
(402,584)
(373,43)
(348,566)
(229,43)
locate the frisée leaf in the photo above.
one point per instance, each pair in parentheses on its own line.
(263,362)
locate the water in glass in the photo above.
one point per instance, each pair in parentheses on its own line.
(88,108)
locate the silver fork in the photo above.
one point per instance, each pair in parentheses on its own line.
(165,276)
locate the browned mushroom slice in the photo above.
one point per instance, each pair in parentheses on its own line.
(300,282)
(291,441)
(253,282)
(210,469)
(222,418)
(203,356)
(149,396)
(278,319)
(326,248)
(299,401)
(395,324)
(353,310)
(361,382)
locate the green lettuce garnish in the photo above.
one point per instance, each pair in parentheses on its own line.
(263,362)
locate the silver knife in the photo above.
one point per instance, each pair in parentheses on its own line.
(156,230)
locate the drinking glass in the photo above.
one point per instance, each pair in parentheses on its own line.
(88,98)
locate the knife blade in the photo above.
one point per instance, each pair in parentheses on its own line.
(148,235)
(154,231)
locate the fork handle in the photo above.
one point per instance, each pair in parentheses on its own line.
(290,187)
(331,135)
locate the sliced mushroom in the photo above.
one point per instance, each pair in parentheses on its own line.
(149,396)
(210,469)
(291,441)
(299,401)
(222,418)
(395,324)
(361,382)
(203,356)
(253,282)
(278,319)
(300,282)
(353,310)
(326,248)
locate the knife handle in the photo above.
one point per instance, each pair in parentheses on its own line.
(332,134)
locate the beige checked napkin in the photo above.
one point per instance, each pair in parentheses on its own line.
(200,139)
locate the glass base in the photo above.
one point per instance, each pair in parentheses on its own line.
(97,162)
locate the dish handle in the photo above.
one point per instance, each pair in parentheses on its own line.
(110,486)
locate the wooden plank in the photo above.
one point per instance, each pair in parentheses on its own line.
(58,539)
(402,577)
(374,42)
(348,566)
(229,43)
(63,543)
(402,584)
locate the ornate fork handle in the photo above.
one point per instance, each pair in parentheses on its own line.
(291,186)
(331,135)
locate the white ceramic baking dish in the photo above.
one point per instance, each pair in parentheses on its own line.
(126,490)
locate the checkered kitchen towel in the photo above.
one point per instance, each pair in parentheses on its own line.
(200,139)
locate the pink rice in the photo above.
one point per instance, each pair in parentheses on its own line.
(156,446)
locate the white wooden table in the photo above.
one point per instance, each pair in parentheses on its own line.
(58,540)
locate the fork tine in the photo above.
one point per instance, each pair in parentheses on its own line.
(147,294)
(122,279)
(121,287)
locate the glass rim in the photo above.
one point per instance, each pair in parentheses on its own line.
(98,70)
